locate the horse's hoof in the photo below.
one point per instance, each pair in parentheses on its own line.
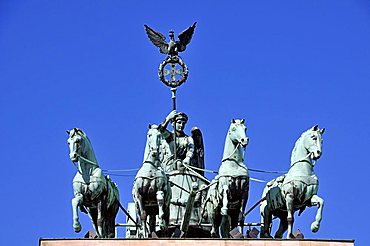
(315,226)
(77,227)
(290,236)
(266,235)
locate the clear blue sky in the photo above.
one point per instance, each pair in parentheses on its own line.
(282,65)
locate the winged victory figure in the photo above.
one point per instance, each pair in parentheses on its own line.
(172,48)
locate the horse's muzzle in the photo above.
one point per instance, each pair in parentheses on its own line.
(154,153)
(316,154)
(244,142)
(73,157)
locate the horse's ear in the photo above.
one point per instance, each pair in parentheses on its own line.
(315,128)
(233,121)
(68,132)
(322,131)
(149,126)
(242,121)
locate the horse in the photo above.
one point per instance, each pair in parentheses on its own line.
(94,193)
(295,190)
(151,190)
(228,193)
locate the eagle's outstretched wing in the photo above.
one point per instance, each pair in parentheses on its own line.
(157,39)
(185,38)
(198,157)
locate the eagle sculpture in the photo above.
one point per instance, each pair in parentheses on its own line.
(172,48)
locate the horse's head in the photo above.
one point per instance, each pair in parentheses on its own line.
(76,143)
(313,141)
(238,133)
(154,137)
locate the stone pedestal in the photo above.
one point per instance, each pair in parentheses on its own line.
(193,242)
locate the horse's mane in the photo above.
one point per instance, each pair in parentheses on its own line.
(146,150)
(80,132)
(297,143)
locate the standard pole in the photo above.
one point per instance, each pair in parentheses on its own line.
(173,90)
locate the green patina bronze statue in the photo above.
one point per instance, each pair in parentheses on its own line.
(295,190)
(151,190)
(187,150)
(227,197)
(171,48)
(172,71)
(94,193)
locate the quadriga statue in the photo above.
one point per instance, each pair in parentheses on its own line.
(94,193)
(295,190)
(228,193)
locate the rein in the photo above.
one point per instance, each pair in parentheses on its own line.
(88,161)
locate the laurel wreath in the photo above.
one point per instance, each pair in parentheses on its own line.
(173,60)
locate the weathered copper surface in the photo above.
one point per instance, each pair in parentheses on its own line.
(190,242)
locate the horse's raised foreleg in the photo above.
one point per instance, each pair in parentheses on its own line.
(319,202)
(160,202)
(290,217)
(76,202)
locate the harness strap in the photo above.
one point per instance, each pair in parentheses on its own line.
(236,147)
(230,159)
(303,160)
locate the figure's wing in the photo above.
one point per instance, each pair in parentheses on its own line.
(157,39)
(198,157)
(185,38)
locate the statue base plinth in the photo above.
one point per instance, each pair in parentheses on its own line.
(194,242)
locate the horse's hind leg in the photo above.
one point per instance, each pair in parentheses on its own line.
(282,227)
(266,219)
(76,202)
(245,192)
(225,223)
(152,224)
(319,202)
